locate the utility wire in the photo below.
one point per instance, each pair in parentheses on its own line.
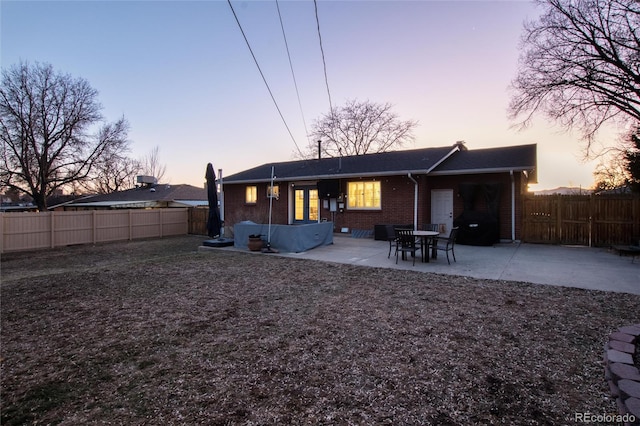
(295,83)
(263,77)
(326,80)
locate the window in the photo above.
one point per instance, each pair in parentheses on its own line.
(364,195)
(251,195)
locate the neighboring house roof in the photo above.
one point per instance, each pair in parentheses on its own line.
(442,160)
(17,207)
(148,196)
(57,201)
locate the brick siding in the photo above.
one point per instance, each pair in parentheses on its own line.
(397,193)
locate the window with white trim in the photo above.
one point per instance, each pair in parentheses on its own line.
(364,195)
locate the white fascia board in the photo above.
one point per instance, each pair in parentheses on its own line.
(480,171)
(188,203)
(117,204)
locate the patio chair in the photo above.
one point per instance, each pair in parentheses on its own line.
(447,244)
(406,243)
(391,237)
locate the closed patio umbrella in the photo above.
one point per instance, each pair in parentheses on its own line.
(213,221)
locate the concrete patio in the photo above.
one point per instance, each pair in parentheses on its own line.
(581,267)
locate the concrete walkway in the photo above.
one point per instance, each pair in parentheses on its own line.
(581,267)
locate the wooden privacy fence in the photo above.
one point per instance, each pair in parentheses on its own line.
(590,220)
(198,220)
(30,231)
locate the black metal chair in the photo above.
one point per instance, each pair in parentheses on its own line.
(406,243)
(391,237)
(447,244)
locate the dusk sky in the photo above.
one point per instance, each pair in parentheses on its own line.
(182,75)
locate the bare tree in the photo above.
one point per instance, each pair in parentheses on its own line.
(151,166)
(114,171)
(580,65)
(45,123)
(359,128)
(610,174)
(620,171)
(118,173)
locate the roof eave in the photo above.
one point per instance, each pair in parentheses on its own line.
(332,176)
(483,171)
(188,203)
(117,204)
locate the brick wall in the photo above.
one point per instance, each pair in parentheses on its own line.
(237,210)
(397,205)
(397,202)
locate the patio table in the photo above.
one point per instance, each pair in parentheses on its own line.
(425,238)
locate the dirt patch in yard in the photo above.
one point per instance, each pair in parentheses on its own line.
(154,332)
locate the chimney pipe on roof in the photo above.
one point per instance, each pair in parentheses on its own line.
(461,145)
(319,150)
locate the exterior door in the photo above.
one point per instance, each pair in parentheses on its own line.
(442,209)
(305,205)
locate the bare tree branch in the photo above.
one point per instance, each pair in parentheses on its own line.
(359,128)
(619,169)
(580,65)
(45,124)
(151,165)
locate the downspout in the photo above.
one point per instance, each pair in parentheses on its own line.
(415,201)
(513,207)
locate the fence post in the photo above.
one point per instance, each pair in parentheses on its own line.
(161,224)
(635,213)
(524,231)
(2,216)
(52,226)
(557,238)
(93,226)
(590,212)
(130,224)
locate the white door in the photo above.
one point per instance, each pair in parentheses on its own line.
(442,209)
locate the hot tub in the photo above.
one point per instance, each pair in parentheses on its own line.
(285,238)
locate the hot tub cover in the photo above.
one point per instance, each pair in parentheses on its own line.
(286,238)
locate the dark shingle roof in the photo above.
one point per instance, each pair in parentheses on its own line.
(442,160)
(386,163)
(160,192)
(516,158)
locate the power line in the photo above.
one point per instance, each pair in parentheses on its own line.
(295,83)
(326,80)
(263,77)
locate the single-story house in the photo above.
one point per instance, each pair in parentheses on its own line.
(479,190)
(148,196)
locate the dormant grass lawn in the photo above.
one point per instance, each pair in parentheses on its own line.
(154,332)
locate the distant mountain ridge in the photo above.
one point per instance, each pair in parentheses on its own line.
(564,190)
